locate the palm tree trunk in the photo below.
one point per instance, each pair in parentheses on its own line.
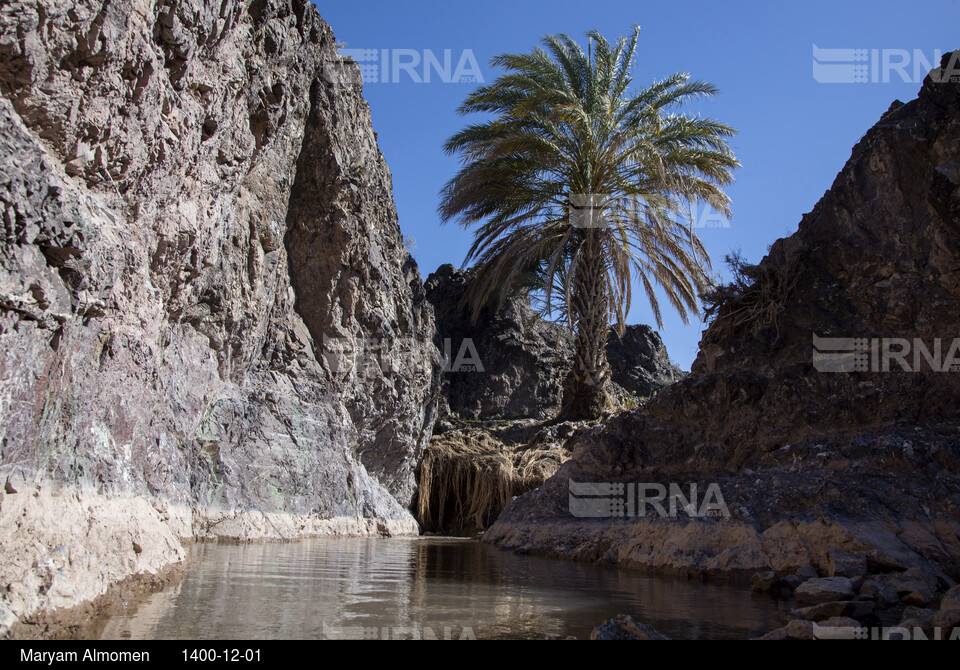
(585,395)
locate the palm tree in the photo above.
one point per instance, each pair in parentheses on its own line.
(576,185)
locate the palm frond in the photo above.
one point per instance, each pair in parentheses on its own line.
(567,122)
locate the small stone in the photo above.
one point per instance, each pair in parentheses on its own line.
(137,548)
(863,609)
(825,611)
(797,629)
(887,597)
(951,600)
(807,572)
(789,583)
(824,589)
(919,598)
(625,627)
(8,487)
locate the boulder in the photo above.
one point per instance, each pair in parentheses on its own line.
(825,610)
(843,564)
(824,589)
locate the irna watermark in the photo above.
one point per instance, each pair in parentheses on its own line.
(596,210)
(395,66)
(410,632)
(885,354)
(883,633)
(882,66)
(617,500)
(375,357)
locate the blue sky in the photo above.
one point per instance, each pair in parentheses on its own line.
(795,132)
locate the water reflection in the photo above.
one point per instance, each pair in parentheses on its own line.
(423,587)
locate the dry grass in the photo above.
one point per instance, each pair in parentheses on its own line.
(532,467)
(755,298)
(466,478)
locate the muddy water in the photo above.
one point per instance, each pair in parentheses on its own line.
(423,588)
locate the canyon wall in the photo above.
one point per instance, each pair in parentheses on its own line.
(200,256)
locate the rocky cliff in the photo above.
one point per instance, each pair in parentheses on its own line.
(819,447)
(511,363)
(204,295)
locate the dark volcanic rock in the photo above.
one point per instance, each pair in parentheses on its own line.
(199,243)
(639,362)
(810,462)
(523,359)
(876,258)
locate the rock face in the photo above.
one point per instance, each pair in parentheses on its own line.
(204,295)
(813,464)
(876,258)
(521,356)
(524,359)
